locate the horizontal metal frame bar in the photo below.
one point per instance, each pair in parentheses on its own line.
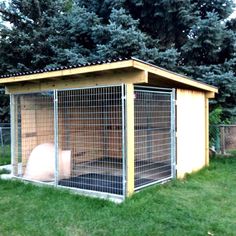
(34,181)
(223,125)
(166,149)
(140,155)
(145,172)
(91,87)
(90,193)
(153,183)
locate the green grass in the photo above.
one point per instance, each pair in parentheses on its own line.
(202,204)
(5,155)
(4,171)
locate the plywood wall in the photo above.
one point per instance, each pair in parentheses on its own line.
(191,152)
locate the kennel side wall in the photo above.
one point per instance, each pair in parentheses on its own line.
(191,131)
(89,124)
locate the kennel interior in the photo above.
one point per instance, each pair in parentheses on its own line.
(78,138)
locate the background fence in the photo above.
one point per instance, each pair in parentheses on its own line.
(222,138)
(5,140)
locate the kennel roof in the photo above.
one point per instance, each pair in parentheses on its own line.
(121,70)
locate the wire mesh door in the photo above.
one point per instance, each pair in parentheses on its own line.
(32,136)
(90,129)
(154,135)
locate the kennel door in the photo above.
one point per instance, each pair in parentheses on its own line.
(90,131)
(154,135)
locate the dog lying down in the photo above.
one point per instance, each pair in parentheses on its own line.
(41,163)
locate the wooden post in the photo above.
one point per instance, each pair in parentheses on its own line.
(206,131)
(222,140)
(14,136)
(129,110)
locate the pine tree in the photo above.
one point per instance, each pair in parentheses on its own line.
(165,20)
(71,40)
(223,8)
(24,44)
(210,55)
(205,42)
(121,37)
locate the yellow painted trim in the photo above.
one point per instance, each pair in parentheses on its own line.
(206,131)
(210,95)
(130,139)
(174,77)
(79,82)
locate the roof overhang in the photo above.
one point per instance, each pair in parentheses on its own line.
(155,75)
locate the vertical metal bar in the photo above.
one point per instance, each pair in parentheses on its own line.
(149,123)
(123,140)
(56,145)
(173,138)
(130,145)
(222,139)
(1,139)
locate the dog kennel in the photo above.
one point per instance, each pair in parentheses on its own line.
(107,129)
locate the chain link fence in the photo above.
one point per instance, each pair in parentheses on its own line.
(5,140)
(222,138)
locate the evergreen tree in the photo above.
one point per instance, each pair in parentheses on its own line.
(210,55)
(71,40)
(24,43)
(122,38)
(4,107)
(205,42)
(165,20)
(223,8)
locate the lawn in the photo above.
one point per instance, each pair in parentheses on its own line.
(5,155)
(202,204)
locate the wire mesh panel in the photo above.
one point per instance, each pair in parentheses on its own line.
(5,140)
(33,136)
(153,136)
(90,139)
(222,138)
(227,138)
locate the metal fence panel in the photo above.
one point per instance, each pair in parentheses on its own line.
(32,134)
(87,127)
(5,140)
(222,138)
(90,122)
(154,132)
